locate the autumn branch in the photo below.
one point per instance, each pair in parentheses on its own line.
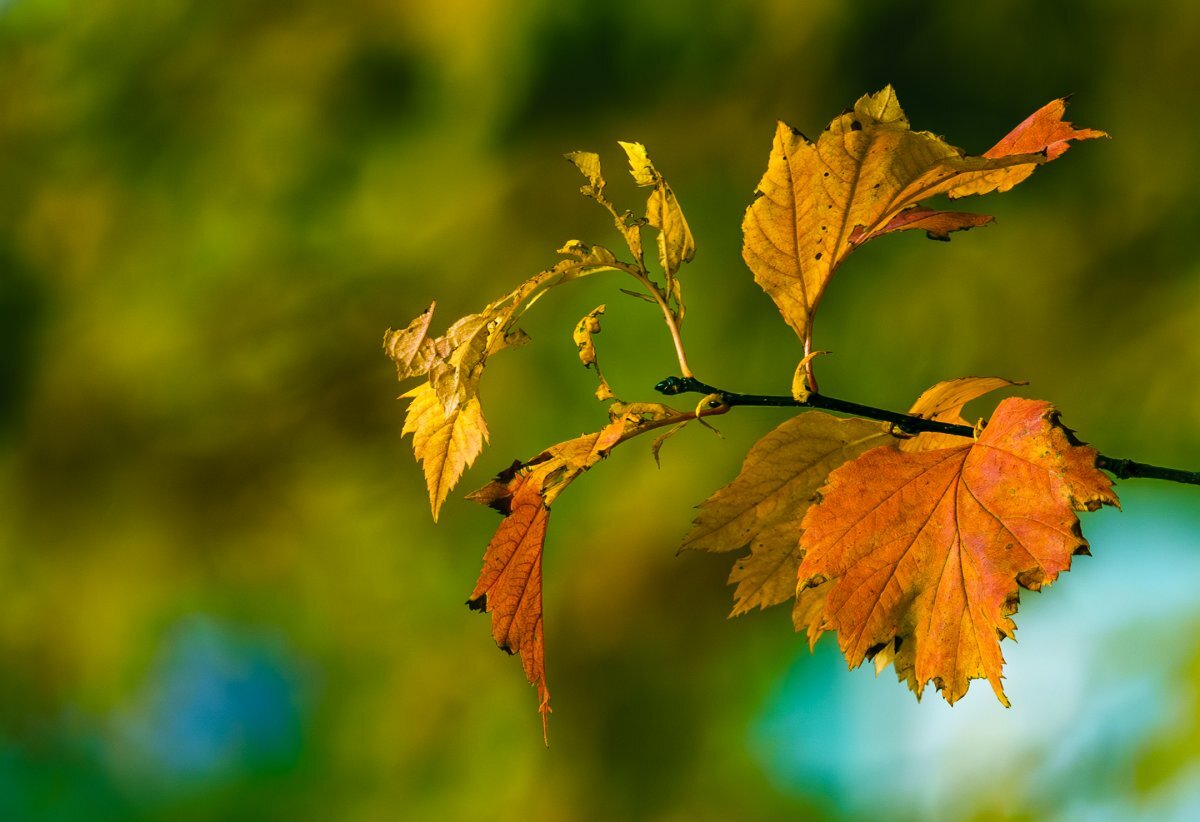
(906,423)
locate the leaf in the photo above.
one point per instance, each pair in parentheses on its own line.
(637,413)
(944,402)
(818,201)
(588,163)
(596,255)
(582,335)
(937,225)
(800,377)
(764,505)
(510,584)
(924,553)
(676,245)
(1045,132)
(630,227)
(411,349)
(447,420)
(446,442)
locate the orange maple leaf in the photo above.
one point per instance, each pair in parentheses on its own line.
(920,556)
(510,584)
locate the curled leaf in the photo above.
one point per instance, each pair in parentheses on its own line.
(582,335)
(410,348)
(944,402)
(937,225)
(802,377)
(588,163)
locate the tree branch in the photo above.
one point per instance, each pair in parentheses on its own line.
(1120,468)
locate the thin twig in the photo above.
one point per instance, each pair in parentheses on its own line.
(1120,468)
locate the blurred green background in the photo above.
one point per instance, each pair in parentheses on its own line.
(221,594)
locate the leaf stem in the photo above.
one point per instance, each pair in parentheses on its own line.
(683,416)
(909,424)
(668,315)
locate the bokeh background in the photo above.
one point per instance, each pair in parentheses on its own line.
(221,593)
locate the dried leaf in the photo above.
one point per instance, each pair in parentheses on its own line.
(411,349)
(588,163)
(582,335)
(925,552)
(510,584)
(937,225)
(596,255)
(764,505)
(630,227)
(800,377)
(818,201)
(944,402)
(637,413)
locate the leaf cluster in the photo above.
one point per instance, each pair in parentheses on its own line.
(911,548)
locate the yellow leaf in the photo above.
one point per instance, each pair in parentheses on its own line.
(588,163)
(676,245)
(445,409)
(596,255)
(641,412)
(675,242)
(800,384)
(765,504)
(818,201)
(944,402)
(446,442)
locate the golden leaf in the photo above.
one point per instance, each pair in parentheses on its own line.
(676,245)
(446,442)
(944,402)
(764,505)
(446,407)
(818,201)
